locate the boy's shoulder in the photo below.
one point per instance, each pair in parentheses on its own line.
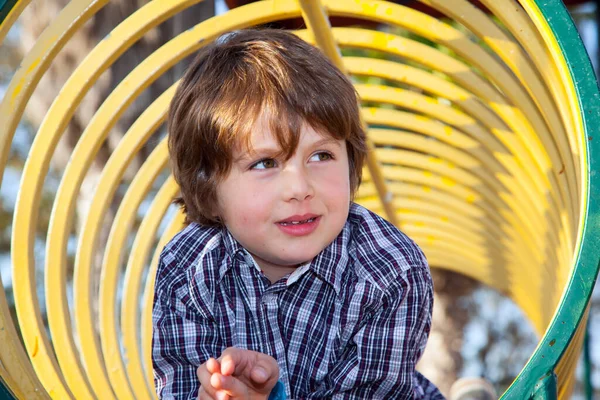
(178,271)
(192,243)
(381,253)
(177,281)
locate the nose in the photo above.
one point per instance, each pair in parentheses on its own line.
(297,184)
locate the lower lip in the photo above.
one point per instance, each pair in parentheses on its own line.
(300,229)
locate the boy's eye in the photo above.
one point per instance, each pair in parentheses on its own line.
(322,156)
(265,164)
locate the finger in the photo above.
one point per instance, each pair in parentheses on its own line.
(255,369)
(228,364)
(235,361)
(202,395)
(204,378)
(221,395)
(259,374)
(229,385)
(213,366)
(263,376)
(206,396)
(265,370)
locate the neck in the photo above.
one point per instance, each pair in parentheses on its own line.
(274,272)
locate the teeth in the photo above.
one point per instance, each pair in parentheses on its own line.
(298,222)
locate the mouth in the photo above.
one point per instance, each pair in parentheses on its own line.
(298,220)
(299,225)
(306,221)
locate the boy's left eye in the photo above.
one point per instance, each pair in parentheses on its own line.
(322,156)
(266,163)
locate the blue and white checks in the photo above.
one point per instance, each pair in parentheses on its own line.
(351,324)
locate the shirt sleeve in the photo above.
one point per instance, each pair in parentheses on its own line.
(183,337)
(379,361)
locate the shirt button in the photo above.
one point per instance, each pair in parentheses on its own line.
(269,300)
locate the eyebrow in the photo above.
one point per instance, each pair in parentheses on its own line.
(327,140)
(247,156)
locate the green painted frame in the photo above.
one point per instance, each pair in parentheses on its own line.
(537,379)
(5,7)
(572,307)
(5,393)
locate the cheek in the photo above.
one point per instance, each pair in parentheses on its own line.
(248,206)
(335,183)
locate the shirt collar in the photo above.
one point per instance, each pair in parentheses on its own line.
(232,249)
(331,263)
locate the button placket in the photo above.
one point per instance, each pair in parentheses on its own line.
(252,291)
(269,302)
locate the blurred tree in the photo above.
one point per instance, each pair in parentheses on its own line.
(442,361)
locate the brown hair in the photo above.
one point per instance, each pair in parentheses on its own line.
(230,84)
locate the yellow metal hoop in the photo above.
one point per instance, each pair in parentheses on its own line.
(478,152)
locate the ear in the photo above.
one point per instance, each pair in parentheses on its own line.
(215,212)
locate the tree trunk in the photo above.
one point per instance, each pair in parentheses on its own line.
(442,360)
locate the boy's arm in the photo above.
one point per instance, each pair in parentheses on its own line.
(182,338)
(379,360)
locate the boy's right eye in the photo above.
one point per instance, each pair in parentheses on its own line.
(264,164)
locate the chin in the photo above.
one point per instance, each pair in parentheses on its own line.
(296,254)
(300,258)
(294,261)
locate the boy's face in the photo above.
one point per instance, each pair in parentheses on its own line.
(285,212)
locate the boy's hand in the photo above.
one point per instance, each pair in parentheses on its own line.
(238,374)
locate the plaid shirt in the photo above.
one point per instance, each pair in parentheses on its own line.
(351,324)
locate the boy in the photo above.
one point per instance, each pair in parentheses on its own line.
(278,273)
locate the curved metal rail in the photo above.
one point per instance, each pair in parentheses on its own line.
(481,149)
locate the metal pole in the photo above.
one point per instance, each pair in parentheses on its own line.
(587,364)
(317,22)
